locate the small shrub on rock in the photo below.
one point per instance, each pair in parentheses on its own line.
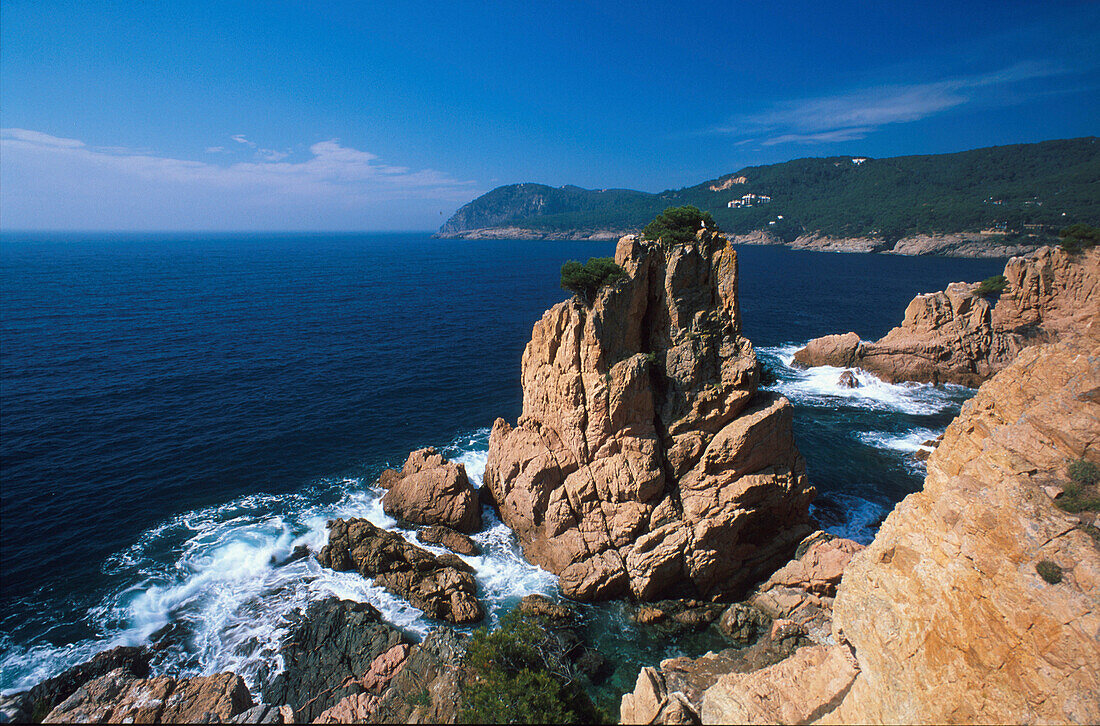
(1080,494)
(677,225)
(585,280)
(1049,571)
(1083,472)
(1079,237)
(993,285)
(520,673)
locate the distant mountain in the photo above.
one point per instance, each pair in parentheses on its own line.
(1037,188)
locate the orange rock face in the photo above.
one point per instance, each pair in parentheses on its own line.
(431,490)
(946,614)
(645,459)
(957,336)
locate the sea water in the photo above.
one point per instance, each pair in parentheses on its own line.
(178,413)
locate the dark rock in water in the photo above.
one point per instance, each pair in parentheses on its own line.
(848,380)
(427,688)
(300,553)
(133,660)
(743,624)
(331,648)
(557,613)
(449,538)
(121,698)
(16,708)
(680,615)
(485,499)
(921,454)
(443,587)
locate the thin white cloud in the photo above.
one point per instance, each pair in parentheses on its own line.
(216,150)
(857,113)
(824,137)
(240,139)
(56,182)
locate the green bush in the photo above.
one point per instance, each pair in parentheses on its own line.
(677,225)
(1083,472)
(1079,237)
(585,280)
(1049,571)
(520,673)
(991,285)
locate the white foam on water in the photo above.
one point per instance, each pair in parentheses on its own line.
(861,517)
(216,575)
(820,385)
(909,442)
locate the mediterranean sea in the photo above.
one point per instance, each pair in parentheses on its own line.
(178,412)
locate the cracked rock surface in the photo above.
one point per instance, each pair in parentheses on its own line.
(646,462)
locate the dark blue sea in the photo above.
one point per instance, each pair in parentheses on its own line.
(178,412)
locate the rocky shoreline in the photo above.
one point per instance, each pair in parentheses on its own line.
(959,336)
(647,464)
(953,244)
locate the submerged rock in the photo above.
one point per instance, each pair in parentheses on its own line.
(431,490)
(848,380)
(645,460)
(447,537)
(443,587)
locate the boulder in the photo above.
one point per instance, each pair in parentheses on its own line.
(848,380)
(674,692)
(449,538)
(796,690)
(43,698)
(443,587)
(332,651)
(803,590)
(431,490)
(427,689)
(646,461)
(121,698)
(839,351)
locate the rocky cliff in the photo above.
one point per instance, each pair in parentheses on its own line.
(958,336)
(646,460)
(978,600)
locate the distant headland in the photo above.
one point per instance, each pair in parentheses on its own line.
(992,202)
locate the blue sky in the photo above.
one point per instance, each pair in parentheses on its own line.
(385,116)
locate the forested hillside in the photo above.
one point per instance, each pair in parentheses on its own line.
(1050,184)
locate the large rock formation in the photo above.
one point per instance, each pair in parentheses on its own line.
(329,652)
(119,697)
(945,617)
(957,336)
(443,587)
(645,459)
(431,490)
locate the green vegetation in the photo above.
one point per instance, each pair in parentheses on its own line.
(585,280)
(1080,494)
(1083,472)
(993,285)
(1049,571)
(520,673)
(677,225)
(1000,187)
(421,698)
(1079,237)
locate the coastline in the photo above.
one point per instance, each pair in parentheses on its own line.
(953,244)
